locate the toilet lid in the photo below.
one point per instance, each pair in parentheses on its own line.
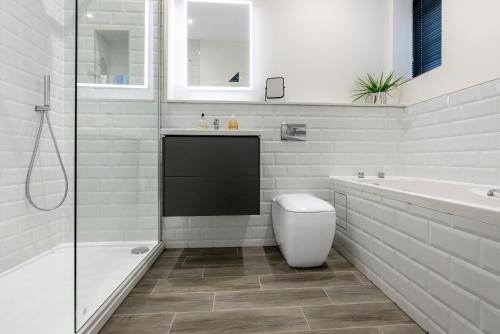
(303,203)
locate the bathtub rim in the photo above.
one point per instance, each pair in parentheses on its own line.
(480,213)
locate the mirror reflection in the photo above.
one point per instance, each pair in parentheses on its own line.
(218,45)
(111,44)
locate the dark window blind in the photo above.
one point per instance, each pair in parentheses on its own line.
(426,35)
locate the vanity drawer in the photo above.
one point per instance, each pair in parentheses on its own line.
(211,196)
(211,155)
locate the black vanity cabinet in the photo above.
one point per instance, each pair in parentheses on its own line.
(211,175)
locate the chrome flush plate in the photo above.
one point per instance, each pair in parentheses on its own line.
(293,132)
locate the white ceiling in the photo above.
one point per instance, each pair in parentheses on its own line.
(219,21)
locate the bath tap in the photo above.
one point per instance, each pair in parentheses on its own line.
(381,175)
(492,192)
(361,175)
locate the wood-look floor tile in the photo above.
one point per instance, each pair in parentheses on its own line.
(216,251)
(198,281)
(144,287)
(241,322)
(251,251)
(249,269)
(275,258)
(355,294)
(181,302)
(359,330)
(270,298)
(361,277)
(172,252)
(308,280)
(325,267)
(186,272)
(340,265)
(278,268)
(223,260)
(176,285)
(157,272)
(170,261)
(402,329)
(354,315)
(134,324)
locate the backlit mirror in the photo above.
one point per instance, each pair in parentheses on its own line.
(219,44)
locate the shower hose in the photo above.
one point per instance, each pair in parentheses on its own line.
(43,115)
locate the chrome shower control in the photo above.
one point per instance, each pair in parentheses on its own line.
(293,132)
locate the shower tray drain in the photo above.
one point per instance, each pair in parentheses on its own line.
(140,250)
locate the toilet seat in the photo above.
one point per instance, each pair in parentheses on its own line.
(303,203)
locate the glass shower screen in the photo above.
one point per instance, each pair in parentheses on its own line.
(117,141)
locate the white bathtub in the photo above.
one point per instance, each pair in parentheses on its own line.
(432,246)
(462,199)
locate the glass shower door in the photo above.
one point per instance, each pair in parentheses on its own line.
(117,135)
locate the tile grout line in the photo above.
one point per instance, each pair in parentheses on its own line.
(260,289)
(305,318)
(326,293)
(213,302)
(171,323)
(258,309)
(154,287)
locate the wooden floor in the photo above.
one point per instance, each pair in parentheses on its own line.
(252,290)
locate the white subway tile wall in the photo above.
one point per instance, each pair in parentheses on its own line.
(117,171)
(455,137)
(446,278)
(341,140)
(31,45)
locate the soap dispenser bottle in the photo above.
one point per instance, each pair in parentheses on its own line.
(202,123)
(232,124)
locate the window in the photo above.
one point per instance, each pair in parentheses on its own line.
(426,35)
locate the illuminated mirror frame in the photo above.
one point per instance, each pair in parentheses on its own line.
(96,90)
(250,38)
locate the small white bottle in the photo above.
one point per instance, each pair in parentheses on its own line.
(202,123)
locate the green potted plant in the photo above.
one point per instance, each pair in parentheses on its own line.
(375,90)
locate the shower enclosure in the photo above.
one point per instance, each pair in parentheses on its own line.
(62,270)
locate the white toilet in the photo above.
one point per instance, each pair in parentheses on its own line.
(304,227)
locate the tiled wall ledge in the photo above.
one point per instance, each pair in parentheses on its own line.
(284,103)
(443,270)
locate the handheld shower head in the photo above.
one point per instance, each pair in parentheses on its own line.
(46,90)
(46,95)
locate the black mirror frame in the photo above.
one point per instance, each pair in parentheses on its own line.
(275,97)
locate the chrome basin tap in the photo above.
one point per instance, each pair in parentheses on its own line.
(492,192)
